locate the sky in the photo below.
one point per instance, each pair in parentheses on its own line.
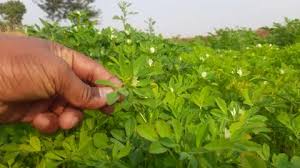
(190,17)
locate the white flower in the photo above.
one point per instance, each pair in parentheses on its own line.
(111,29)
(282,71)
(240,72)
(99,32)
(152,50)
(128,41)
(150,62)
(270,45)
(134,82)
(259,45)
(127,32)
(226,133)
(75,28)
(233,112)
(180,59)
(78,13)
(207,55)
(112,36)
(265,82)
(204,74)
(171,89)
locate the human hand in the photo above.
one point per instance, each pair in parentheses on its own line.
(47,85)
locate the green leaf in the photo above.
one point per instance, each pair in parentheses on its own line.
(112,98)
(284,118)
(296,123)
(221,104)
(139,65)
(105,83)
(193,162)
(53,156)
(200,98)
(148,132)
(250,160)
(116,17)
(130,126)
(124,151)
(123,91)
(10,157)
(295,162)
(100,140)
(167,142)
(163,129)
(247,99)
(200,133)
(35,143)
(118,134)
(218,145)
(84,140)
(157,148)
(281,160)
(178,129)
(266,151)
(119,151)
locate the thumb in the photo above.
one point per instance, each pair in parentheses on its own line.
(80,94)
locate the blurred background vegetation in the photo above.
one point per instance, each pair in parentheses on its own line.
(281,34)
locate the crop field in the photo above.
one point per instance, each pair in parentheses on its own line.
(231,99)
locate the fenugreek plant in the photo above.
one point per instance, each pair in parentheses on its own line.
(125,13)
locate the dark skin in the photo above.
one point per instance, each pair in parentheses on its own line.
(48,85)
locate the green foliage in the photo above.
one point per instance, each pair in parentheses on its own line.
(12,13)
(285,34)
(186,106)
(125,13)
(58,10)
(150,25)
(234,39)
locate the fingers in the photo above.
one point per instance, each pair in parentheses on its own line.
(81,95)
(49,122)
(70,118)
(46,122)
(85,68)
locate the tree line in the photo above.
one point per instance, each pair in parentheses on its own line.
(12,11)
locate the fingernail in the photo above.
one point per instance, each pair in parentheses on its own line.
(103,91)
(117,82)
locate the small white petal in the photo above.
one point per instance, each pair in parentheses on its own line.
(128,41)
(240,72)
(233,112)
(150,62)
(204,74)
(127,32)
(152,50)
(227,133)
(134,82)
